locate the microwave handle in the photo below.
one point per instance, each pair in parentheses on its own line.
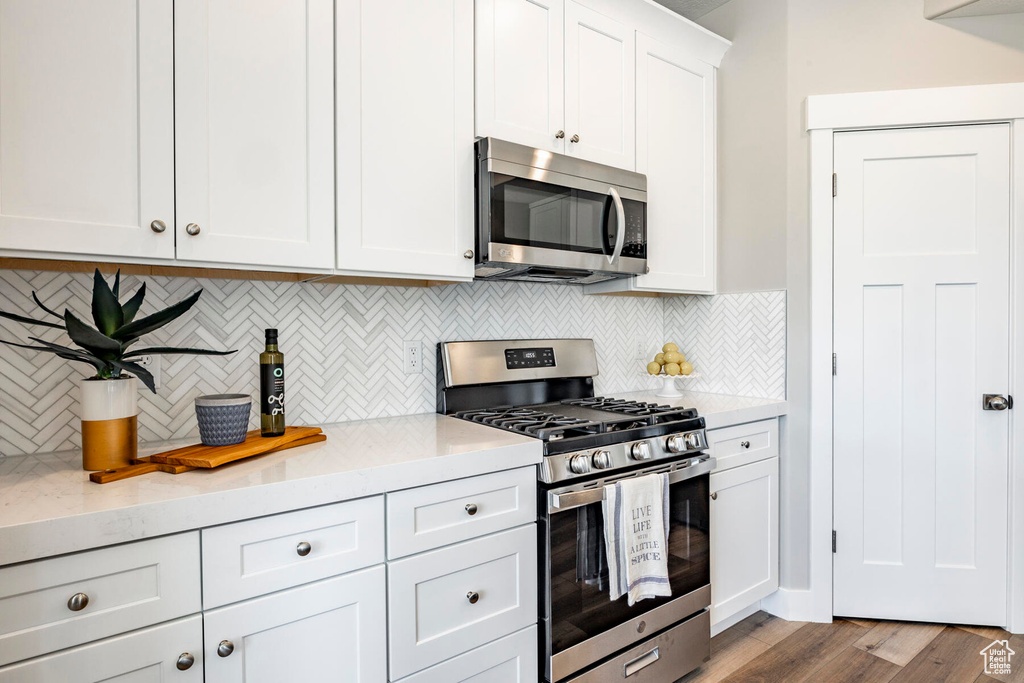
(620,236)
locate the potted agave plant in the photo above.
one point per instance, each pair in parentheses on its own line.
(109,398)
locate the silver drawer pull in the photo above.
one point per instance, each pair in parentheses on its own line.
(225,648)
(193,229)
(745,444)
(185,661)
(714,496)
(472,596)
(471,509)
(641,662)
(78,602)
(303,549)
(158,226)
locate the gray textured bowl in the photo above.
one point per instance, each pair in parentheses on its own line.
(223,418)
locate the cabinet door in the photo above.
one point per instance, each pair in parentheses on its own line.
(405,137)
(254,107)
(675,148)
(600,88)
(87,127)
(519,72)
(329,631)
(171,652)
(744,537)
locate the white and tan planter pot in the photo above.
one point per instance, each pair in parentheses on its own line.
(110,432)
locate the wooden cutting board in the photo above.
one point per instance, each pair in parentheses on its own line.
(256,445)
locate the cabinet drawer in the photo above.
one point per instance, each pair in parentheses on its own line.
(264,555)
(512,659)
(152,654)
(744,444)
(124,587)
(432,516)
(430,614)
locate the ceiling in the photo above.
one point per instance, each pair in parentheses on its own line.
(949,9)
(691,9)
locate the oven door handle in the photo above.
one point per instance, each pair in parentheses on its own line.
(568,500)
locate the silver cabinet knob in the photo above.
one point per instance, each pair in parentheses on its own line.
(185,661)
(559,135)
(78,602)
(468,254)
(744,444)
(714,496)
(995,402)
(158,226)
(472,596)
(225,648)
(471,509)
(303,549)
(602,460)
(641,451)
(192,229)
(574,138)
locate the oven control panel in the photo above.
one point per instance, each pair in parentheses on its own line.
(565,466)
(516,359)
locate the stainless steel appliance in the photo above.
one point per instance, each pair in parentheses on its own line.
(545,217)
(545,389)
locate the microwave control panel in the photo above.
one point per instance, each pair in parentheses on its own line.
(635,244)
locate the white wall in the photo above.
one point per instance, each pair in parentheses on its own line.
(835,46)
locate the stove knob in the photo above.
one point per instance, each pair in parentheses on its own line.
(693,441)
(675,443)
(579,464)
(602,460)
(641,451)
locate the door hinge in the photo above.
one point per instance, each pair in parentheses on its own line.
(833,540)
(833,365)
(835,184)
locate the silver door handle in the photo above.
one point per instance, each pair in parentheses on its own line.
(559,135)
(642,662)
(225,648)
(996,402)
(620,236)
(192,229)
(574,139)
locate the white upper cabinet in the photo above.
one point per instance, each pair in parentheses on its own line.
(520,89)
(87,127)
(600,88)
(254,112)
(405,157)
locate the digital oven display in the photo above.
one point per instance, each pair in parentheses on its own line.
(529,358)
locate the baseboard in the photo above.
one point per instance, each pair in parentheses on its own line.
(729,622)
(793,605)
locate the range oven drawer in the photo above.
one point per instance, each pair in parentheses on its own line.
(667,656)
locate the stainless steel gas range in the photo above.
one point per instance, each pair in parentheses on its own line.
(544,388)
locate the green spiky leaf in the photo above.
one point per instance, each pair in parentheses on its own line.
(136,329)
(131,307)
(117,285)
(106,311)
(43,306)
(29,321)
(163,350)
(137,370)
(67,354)
(100,345)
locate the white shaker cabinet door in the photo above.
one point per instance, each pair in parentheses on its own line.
(87,127)
(405,138)
(520,92)
(254,110)
(600,88)
(324,632)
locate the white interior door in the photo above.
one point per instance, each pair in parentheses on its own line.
(254,116)
(87,127)
(600,88)
(921,333)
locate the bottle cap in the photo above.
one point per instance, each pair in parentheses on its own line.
(271,336)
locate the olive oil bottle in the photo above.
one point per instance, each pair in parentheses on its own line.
(272,388)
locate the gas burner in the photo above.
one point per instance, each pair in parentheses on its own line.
(650,413)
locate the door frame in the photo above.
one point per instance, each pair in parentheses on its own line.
(824,116)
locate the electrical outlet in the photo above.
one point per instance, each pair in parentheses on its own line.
(152,363)
(413,357)
(639,352)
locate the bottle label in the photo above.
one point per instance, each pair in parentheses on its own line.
(272,388)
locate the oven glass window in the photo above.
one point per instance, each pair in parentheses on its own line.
(580,607)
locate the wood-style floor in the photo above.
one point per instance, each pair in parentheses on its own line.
(765,649)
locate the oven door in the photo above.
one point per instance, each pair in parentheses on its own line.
(581,624)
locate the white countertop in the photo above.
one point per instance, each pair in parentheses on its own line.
(48,506)
(718,410)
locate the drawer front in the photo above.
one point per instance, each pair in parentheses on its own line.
(744,444)
(512,659)
(264,555)
(126,587)
(449,601)
(433,516)
(152,654)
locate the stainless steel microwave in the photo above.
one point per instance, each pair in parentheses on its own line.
(546,217)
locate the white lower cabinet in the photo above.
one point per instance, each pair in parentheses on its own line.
(512,659)
(744,536)
(170,652)
(332,630)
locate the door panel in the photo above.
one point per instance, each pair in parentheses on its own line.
(254,108)
(921,333)
(87,127)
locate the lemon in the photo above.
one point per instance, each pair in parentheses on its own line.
(660,359)
(685,368)
(673,357)
(669,347)
(682,356)
(672,369)
(654,368)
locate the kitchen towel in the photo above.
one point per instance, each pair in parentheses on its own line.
(591,566)
(636,537)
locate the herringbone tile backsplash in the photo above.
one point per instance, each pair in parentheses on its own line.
(343,346)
